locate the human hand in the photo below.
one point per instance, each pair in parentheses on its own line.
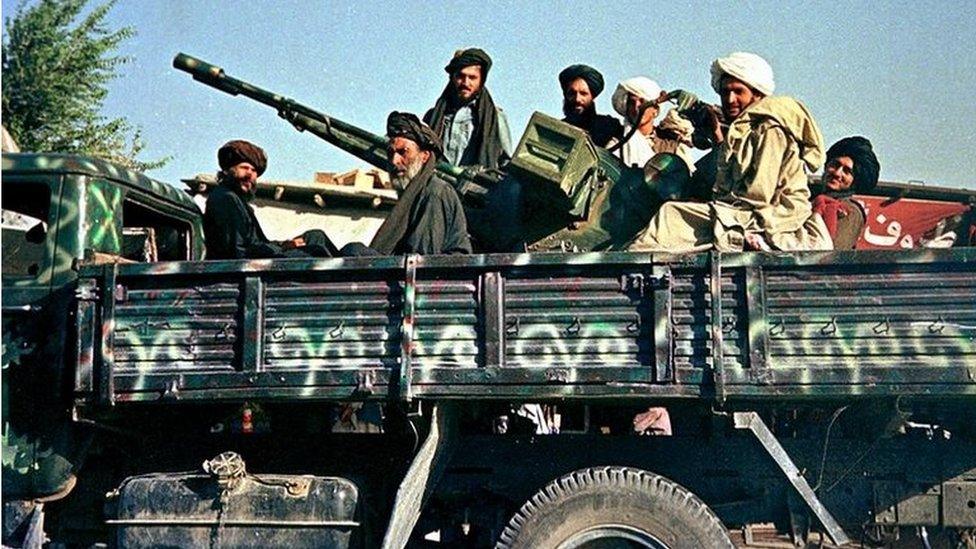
(297,242)
(684,100)
(655,421)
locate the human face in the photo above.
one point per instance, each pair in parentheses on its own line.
(736,96)
(839,173)
(634,103)
(577,98)
(467,82)
(244,175)
(407,159)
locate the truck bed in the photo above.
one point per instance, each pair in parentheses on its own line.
(612,326)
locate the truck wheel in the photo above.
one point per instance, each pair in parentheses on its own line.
(621,507)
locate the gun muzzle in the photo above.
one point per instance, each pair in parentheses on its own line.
(201,71)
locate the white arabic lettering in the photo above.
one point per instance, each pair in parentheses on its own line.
(893,230)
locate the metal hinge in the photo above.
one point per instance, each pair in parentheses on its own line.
(364,383)
(87,290)
(642,283)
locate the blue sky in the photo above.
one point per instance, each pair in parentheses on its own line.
(899,73)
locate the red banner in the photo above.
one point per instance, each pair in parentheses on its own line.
(911,223)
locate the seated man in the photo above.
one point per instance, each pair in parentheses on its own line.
(852,167)
(761,194)
(581,85)
(230,227)
(428,217)
(638,100)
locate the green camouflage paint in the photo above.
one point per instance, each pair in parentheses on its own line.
(103,224)
(823,325)
(39,441)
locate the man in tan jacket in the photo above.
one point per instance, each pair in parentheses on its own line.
(761,199)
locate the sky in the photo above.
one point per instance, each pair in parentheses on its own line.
(899,73)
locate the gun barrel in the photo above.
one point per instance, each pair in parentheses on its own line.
(352,139)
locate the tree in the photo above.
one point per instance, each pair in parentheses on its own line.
(56,64)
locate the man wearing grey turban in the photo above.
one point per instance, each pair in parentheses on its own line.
(760,195)
(581,85)
(428,217)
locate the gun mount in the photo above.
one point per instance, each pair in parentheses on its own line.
(560,192)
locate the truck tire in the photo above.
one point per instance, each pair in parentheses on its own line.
(614,507)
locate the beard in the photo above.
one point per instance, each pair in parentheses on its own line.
(401,179)
(569,110)
(243,187)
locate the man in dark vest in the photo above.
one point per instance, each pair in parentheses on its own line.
(230,227)
(581,85)
(472,130)
(428,217)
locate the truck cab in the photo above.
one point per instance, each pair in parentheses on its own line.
(60,210)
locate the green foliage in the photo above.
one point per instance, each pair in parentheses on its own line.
(56,64)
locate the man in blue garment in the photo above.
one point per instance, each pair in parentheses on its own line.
(471,128)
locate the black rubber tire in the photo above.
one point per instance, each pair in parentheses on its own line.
(613,497)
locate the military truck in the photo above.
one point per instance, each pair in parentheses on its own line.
(152,399)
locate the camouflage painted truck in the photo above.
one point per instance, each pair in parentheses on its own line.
(815,397)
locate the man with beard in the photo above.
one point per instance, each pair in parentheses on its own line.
(852,167)
(761,197)
(428,217)
(638,100)
(230,228)
(581,86)
(472,129)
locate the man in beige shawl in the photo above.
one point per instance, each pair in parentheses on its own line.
(761,196)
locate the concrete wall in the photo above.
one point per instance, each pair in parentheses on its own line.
(282,220)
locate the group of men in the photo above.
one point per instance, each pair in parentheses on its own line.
(757,194)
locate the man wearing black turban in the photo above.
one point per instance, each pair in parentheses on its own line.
(428,217)
(472,129)
(230,228)
(852,167)
(581,85)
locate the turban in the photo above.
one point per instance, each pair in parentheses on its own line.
(866,165)
(468,57)
(641,86)
(237,151)
(751,69)
(591,76)
(404,124)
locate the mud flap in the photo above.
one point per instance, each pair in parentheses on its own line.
(422,476)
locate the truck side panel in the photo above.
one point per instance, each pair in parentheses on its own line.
(543,326)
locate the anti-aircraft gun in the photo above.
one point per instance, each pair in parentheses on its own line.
(559,192)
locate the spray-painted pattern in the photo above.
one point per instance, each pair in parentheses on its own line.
(565,325)
(86,214)
(104,224)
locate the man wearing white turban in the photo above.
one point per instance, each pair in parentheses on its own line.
(760,197)
(638,101)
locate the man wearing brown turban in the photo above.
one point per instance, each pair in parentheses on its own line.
(230,227)
(428,217)
(581,85)
(472,129)
(852,167)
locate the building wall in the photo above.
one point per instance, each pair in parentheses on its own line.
(282,221)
